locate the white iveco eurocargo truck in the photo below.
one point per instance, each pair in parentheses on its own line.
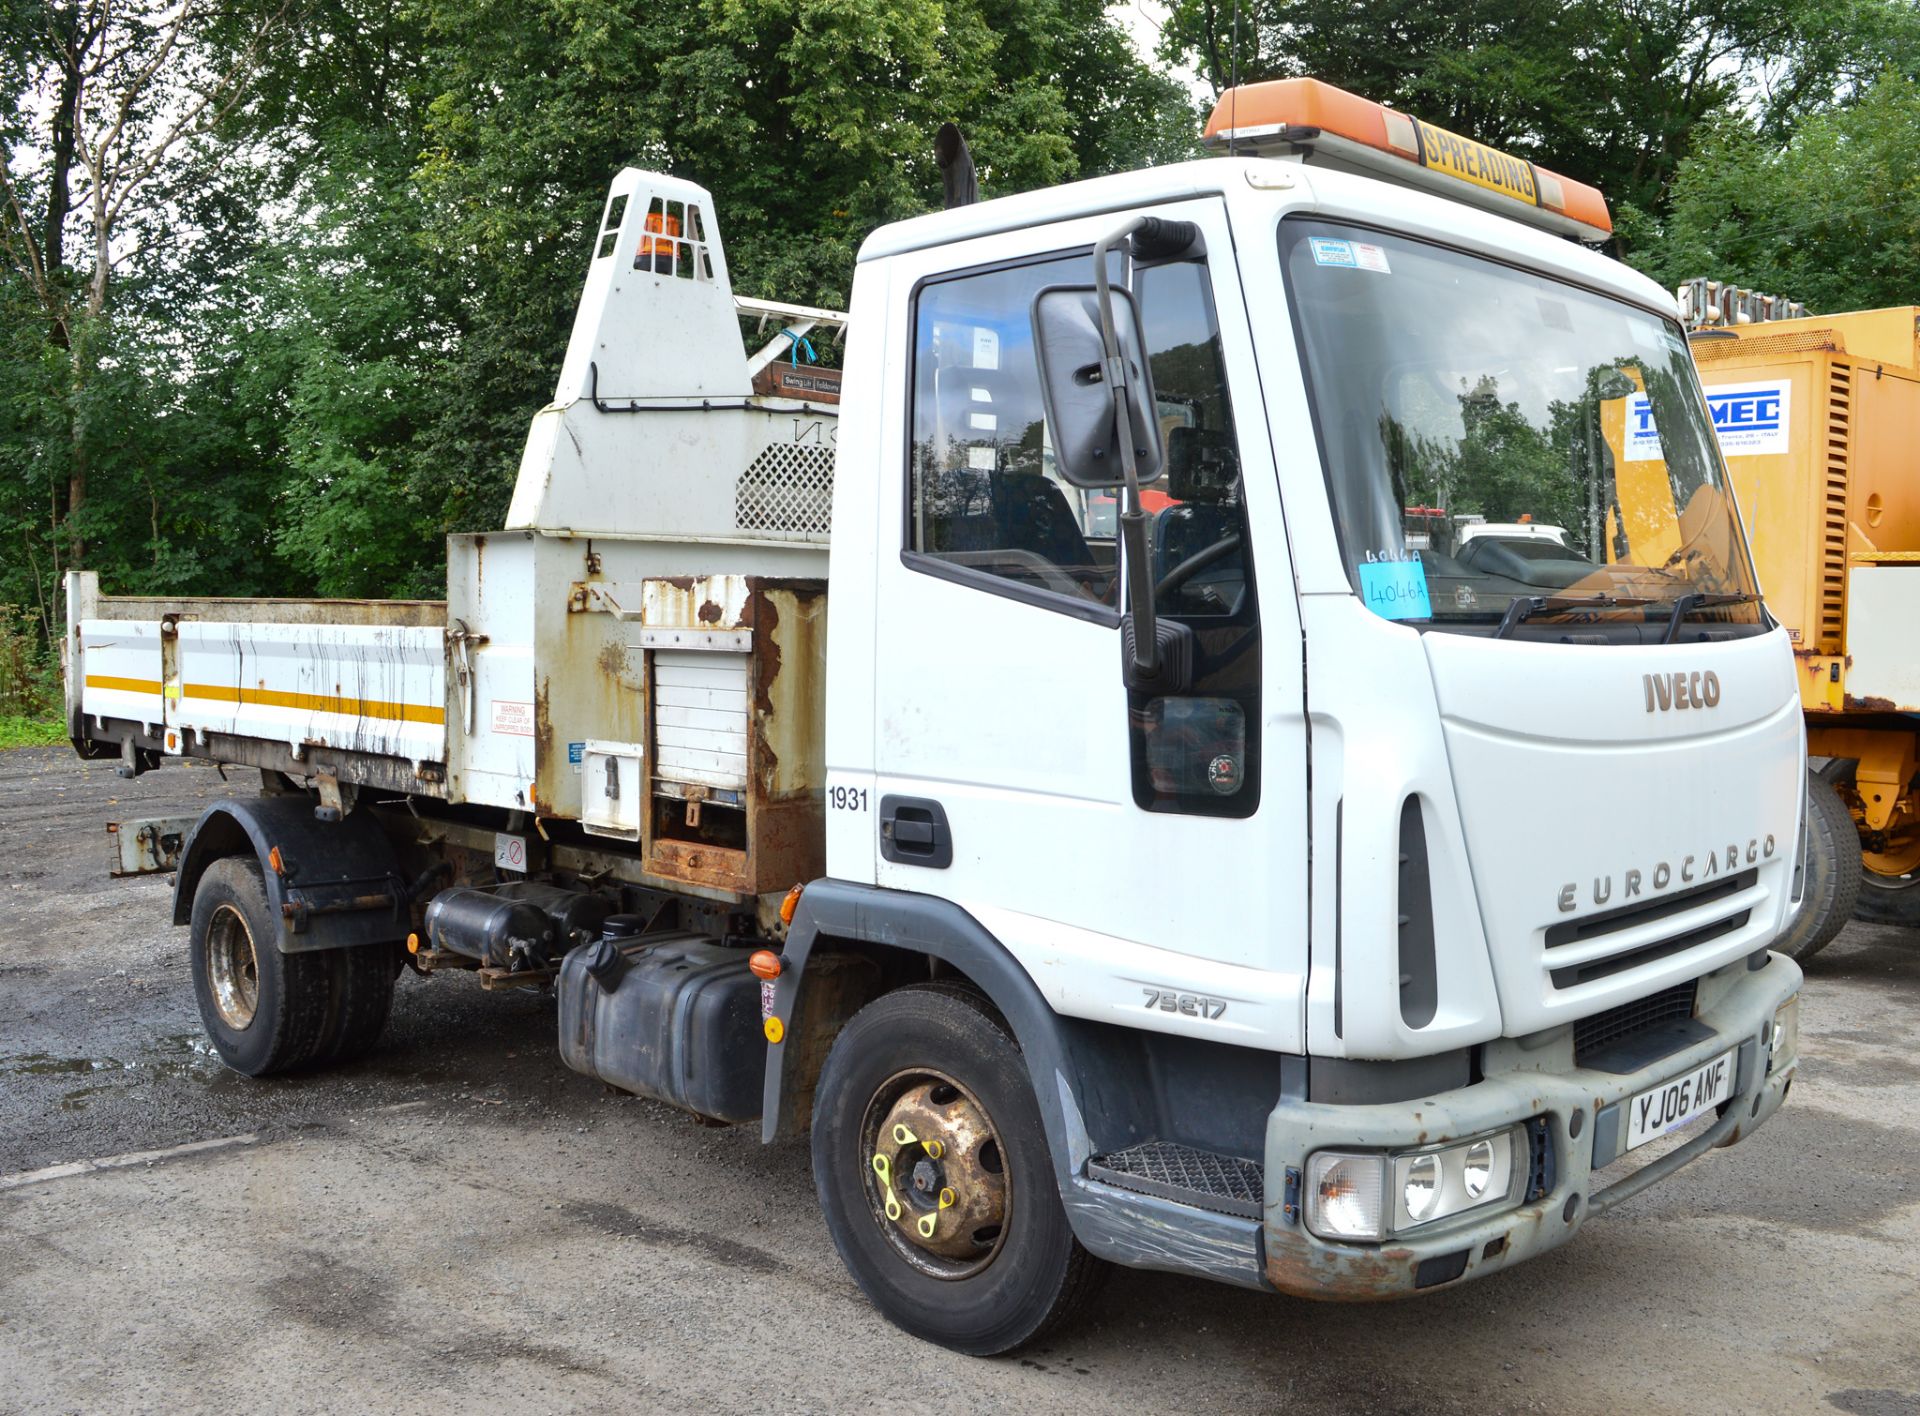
(1110,760)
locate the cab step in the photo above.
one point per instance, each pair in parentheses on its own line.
(1224,1184)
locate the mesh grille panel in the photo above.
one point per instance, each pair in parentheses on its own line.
(1217,1182)
(787,488)
(1711,351)
(1668,1005)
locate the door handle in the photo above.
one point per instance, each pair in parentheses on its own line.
(914,831)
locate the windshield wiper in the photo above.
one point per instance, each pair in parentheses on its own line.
(1525,607)
(1702,600)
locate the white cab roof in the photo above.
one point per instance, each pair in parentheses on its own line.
(1338,194)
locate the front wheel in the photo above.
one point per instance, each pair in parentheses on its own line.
(1830,873)
(935,1177)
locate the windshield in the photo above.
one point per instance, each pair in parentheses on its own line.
(1505,449)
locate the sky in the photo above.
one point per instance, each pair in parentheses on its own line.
(1142,19)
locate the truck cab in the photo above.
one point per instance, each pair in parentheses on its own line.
(1480,867)
(1199,859)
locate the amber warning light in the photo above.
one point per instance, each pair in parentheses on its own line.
(1328,126)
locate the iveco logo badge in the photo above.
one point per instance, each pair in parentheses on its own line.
(1695,690)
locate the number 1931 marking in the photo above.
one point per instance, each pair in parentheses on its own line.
(1192,1005)
(847,798)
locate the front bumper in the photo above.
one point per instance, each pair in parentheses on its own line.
(1575,1105)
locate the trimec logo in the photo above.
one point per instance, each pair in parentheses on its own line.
(1749,419)
(1761,410)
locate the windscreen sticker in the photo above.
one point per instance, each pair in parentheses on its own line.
(1750,419)
(1354,255)
(1327,251)
(1396,589)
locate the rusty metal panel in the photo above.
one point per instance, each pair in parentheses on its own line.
(150,846)
(494,708)
(695,602)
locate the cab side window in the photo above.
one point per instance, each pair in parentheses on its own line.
(985,498)
(1199,753)
(1197,529)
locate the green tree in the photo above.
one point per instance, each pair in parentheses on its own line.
(1610,94)
(1830,217)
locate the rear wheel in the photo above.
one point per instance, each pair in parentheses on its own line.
(935,1177)
(265,1011)
(1831,873)
(363,980)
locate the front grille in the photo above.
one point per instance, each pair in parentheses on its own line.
(1597,926)
(1217,1182)
(1602,1030)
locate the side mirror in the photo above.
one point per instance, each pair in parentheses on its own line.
(1074,390)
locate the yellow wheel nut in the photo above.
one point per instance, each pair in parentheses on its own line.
(946,1198)
(935,1149)
(926,1225)
(903,1136)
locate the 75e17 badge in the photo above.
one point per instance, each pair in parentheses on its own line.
(1192,1005)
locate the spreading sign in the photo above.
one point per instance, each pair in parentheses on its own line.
(1750,419)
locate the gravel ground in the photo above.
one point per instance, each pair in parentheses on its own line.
(459,1223)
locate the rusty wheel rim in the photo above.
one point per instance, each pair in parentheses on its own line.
(935,1174)
(233,969)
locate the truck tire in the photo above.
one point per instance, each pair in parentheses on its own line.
(265,1011)
(1889,899)
(935,1177)
(363,980)
(1832,873)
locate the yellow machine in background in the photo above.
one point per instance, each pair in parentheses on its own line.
(1819,419)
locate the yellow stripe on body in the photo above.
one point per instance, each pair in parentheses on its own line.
(317,703)
(122,685)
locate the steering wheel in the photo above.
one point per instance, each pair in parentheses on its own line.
(1196,563)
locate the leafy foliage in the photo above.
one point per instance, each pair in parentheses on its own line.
(1830,218)
(330,303)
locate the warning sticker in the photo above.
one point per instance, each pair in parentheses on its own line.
(510,852)
(512,719)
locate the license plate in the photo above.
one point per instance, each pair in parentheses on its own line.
(1673,1104)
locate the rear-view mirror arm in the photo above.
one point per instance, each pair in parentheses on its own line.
(1133,517)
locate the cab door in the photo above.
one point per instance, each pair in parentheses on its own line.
(1144,858)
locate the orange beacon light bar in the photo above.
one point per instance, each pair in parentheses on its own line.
(1318,122)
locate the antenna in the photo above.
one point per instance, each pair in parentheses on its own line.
(1233,66)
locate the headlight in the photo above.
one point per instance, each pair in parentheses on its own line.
(1477,1169)
(1786,1032)
(1422,1186)
(1343,1195)
(1368,1197)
